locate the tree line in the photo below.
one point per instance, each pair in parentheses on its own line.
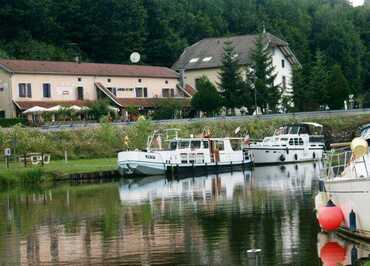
(330,38)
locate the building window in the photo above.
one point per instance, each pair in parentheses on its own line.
(113,91)
(282,63)
(2,114)
(109,80)
(46,90)
(167,93)
(25,90)
(166,82)
(1,88)
(141,92)
(80,93)
(139,80)
(284,82)
(79,79)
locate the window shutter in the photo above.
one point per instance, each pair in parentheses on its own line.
(29,90)
(145,92)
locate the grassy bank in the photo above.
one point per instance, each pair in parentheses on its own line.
(17,174)
(85,147)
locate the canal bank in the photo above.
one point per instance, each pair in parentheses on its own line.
(85,145)
(59,170)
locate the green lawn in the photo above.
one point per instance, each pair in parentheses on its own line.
(18,173)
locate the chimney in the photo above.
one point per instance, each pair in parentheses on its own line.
(182,77)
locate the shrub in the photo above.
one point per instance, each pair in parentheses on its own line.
(9,122)
(166,109)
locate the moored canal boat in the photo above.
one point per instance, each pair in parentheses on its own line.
(300,142)
(346,188)
(194,155)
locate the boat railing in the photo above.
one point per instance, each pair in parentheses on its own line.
(336,162)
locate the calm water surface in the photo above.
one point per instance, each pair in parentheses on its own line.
(211,220)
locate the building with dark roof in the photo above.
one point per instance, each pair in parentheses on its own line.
(25,84)
(204,58)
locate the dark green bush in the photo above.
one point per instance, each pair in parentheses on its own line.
(12,122)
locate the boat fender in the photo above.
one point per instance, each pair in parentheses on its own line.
(354,255)
(352,221)
(282,158)
(330,217)
(314,156)
(287,150)
(332,253)
(296,157)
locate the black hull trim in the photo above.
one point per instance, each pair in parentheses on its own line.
(193,171)
(285,163)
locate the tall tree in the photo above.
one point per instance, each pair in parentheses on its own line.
(268,94)
(207,99)
(231,82)
(317,86)
(299,85)
(338,89)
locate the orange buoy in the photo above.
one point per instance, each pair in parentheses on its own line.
(332,254)
(330,217)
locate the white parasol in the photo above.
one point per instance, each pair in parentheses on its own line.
(35,109)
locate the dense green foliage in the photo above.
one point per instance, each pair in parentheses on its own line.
(207,99)
(166,109)
(12,122)
(267,94)
(231,81)
(108,31)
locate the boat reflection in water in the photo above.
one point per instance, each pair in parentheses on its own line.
(209,220)
(291,177)
(337,250)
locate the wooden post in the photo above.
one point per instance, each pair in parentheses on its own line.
(7,161)
(25,160)
(65,156)
(42,159)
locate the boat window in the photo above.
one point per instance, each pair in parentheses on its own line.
(184,144)
(219,145)
(235,144)
(283,139)
(296,141)
(291,142)
(173,145)
(195,144)
(300,141)
(205,144)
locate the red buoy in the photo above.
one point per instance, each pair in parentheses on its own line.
(330,217)
(332,254)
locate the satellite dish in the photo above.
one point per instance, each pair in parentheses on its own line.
(135,57)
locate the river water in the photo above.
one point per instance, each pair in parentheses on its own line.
(212,220)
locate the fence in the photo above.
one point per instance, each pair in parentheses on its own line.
(301,115)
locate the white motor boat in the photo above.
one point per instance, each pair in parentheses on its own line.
(194,156)
(301,142)
(347,185)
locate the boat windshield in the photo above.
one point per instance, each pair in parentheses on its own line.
(183,144)
(195,144)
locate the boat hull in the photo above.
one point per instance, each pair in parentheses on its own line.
(271,155)
(348,195)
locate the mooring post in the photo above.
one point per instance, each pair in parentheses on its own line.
(25,160)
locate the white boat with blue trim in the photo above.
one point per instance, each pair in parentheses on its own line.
(194,155)
(300,142)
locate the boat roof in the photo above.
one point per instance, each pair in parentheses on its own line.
(311,124)
(192,139)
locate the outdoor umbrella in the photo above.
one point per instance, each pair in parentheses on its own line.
(55,108)
(35,109)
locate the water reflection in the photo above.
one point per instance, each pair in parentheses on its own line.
(338,250)
(211,220)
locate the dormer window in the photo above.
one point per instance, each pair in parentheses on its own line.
(282,63)
(194,60)
(207,59)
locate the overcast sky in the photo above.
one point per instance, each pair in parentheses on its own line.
(357,2)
